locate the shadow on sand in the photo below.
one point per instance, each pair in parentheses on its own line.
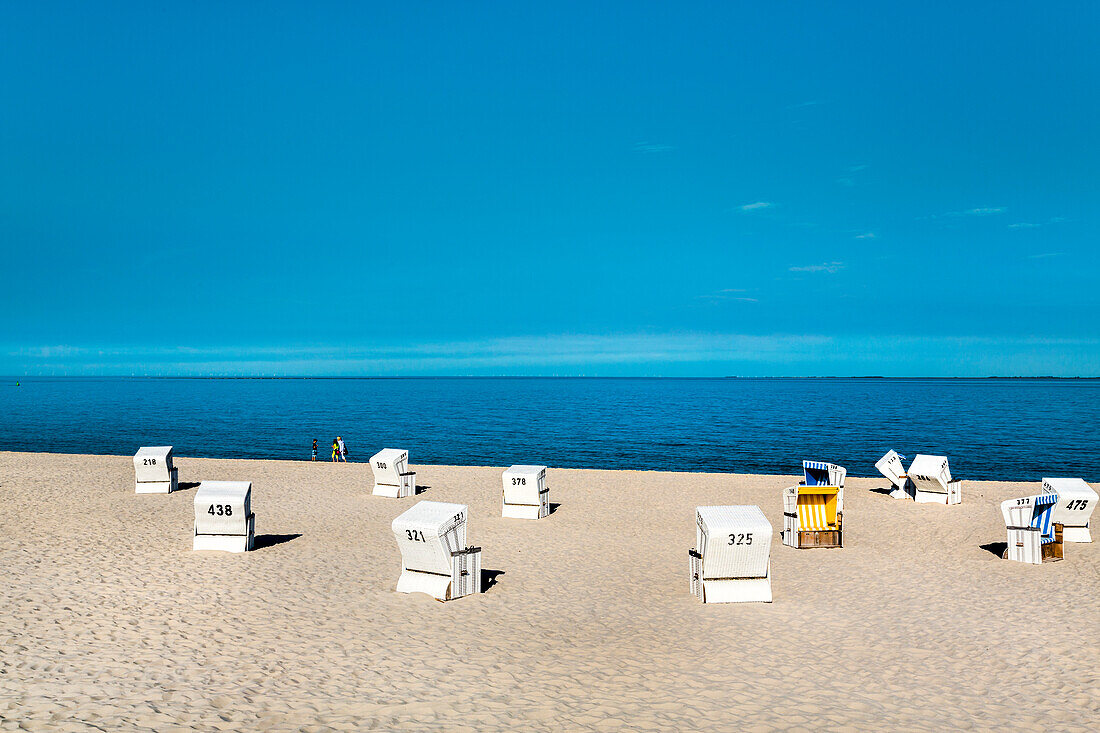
(489,579)
(997,548)
(187,485)
(270,540)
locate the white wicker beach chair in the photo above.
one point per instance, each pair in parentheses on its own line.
(525,493)
(932,482)
(392,477)
(732,559)
(154,472)
(1032,534)
(223,516)
(819,473)
(891,467)
(812,517)
(1076,501)
(434,557)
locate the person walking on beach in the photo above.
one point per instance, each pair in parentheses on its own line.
(335,449)
(343,449)
(314,450)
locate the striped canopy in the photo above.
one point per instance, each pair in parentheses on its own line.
(816,509)
(1042,515)
(816,472)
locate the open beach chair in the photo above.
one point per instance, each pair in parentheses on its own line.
(932,482)
(812,517)
(891,467)
(525,493)
(434,557)
(819,473)
(732,559)
(1033,536)
(223,516)
(1076,501)
(153,471)
(392,477)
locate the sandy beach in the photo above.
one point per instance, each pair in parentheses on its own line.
(110,622)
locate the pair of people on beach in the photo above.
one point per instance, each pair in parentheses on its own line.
(339,450)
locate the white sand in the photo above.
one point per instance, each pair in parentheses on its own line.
(110,622)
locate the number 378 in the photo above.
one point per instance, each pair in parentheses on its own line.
(741,539)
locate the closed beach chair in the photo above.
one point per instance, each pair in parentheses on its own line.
(223,516)
(732,559)
(891,467)
(525,493)
(819,473)
(392,477)
(812,517)
(1033,536)
(153,471)
(932,482)
(434,557)
(1076,500)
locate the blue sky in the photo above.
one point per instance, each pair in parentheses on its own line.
(611,189)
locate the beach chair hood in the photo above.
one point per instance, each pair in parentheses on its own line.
(388,464)
(223,508)
(734,541)
(153,464)
(428,534)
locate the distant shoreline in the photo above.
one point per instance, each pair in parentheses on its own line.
(461,376)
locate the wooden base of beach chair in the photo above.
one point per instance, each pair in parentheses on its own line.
(1049,552)
(1054,551)
(819,538)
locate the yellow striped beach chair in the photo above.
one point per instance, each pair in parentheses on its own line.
(812,516)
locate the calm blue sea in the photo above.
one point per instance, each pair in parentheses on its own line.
(990,429)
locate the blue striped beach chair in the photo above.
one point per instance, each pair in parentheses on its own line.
(820,473)
(1033,536)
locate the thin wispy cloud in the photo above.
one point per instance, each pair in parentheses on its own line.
(866,235)
(1036,225)
(826,267)
(976,211)
(647,147)
(756,206)
(803,105)
(726,295)
(849,179)
(1045,255)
